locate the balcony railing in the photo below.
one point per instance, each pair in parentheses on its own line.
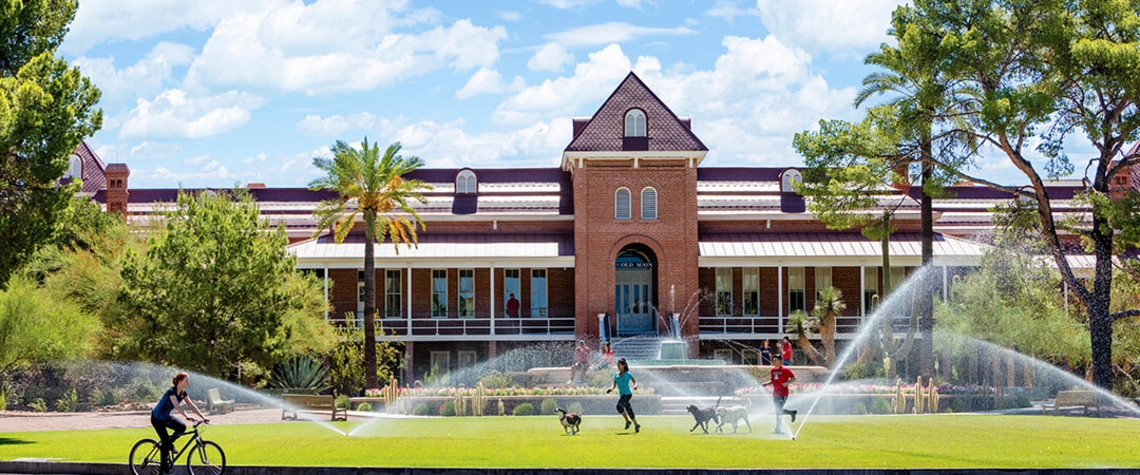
(770,325)
(424,324)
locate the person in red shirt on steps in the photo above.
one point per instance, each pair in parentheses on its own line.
(781,378)
(786,350)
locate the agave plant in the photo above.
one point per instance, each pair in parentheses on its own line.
(302,374)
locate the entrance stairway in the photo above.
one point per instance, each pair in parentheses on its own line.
(637,348)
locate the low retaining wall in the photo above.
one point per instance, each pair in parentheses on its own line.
(591,405)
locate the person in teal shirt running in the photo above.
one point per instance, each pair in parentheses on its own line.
(622,380)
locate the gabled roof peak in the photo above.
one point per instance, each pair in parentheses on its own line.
(605,130)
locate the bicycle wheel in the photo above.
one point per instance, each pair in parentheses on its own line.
(206,459)
(146,458)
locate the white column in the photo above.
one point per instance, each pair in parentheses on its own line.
(780,298)
(409,301)
(493,301)
(862,291)
(945,285)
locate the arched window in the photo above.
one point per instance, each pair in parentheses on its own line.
(621,204)
(465,182)
(790,176)
(648,203)
(635,123)
(76,168)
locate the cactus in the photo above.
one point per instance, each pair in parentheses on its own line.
(918,399)
(934,398)
(502,410)
(478,400)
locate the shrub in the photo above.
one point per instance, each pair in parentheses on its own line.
(575,407)
(524,409)
(880,405)
(343,402)
(68,402)
(300,375)
(497,379)
(549,405)
(38,405)
(859,408)
(422,409)
(364,407)
(601,379)
(959,404)
(448,409)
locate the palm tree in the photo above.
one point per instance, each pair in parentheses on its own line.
(828,306)
(802,325)
(373,185)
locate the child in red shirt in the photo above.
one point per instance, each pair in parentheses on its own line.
(781,378)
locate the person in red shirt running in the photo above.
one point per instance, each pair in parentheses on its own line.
(781,378)
(786,350)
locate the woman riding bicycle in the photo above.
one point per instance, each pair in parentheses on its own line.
(162,419)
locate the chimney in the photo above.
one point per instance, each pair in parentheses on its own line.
(117,192)
(255,186)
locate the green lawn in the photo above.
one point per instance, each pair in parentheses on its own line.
(826,442)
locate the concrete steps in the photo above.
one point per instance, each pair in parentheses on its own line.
(636,348)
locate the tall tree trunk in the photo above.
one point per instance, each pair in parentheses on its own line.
(926,296)
(1100,319)
(370,380)
(827,334)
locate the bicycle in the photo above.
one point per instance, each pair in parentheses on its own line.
(205,457)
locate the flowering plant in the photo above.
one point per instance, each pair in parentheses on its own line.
(373,392)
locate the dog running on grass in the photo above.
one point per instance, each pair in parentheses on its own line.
(703,416)
(570,421)
(733,414)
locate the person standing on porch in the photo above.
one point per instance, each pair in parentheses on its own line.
(513,307)
(765,353)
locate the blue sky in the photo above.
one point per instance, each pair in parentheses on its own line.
(213,93)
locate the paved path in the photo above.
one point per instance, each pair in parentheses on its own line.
(13,421)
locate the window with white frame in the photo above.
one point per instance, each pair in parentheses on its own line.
(467,359)
(648,203)
(822,279)
(723,354)
(635,123)
(441,362)
(358,318)
(751,291)
(621,204)
(466,293)
(465,182)
(511,289)
(75,169)
(439,293)
(392,300)
(723,291)
(870,288)
(538,305)
(796,289)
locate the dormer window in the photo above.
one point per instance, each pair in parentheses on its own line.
(790,176)
(465,182)
(75,170)
(635,123)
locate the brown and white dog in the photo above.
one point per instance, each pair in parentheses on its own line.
(732,414)
(570,421)
(703,416)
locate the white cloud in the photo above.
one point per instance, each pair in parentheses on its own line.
(510,16)
(99,21)
(567,4)
(448,145)
(335,125)
(828,25)
(152,150)
(335,46)
(612,32)
(198,160)
(630,3)
(173,114)
(551,57)
(562,97)
(144,78)
(255,159)
(488,81)
(727,10)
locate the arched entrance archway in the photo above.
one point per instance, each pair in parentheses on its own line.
(635,272)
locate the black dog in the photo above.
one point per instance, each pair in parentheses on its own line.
(703,416)
(570,421)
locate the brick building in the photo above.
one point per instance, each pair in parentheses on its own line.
(628,232)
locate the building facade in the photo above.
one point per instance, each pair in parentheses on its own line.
(630,237)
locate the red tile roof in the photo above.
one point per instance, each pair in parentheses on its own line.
(605,131)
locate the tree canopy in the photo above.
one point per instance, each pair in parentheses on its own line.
(46,109)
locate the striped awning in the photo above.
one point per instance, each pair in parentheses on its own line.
(834,247)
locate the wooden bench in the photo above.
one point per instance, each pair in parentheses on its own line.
(215,404)
(305,402)
(1069,399)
